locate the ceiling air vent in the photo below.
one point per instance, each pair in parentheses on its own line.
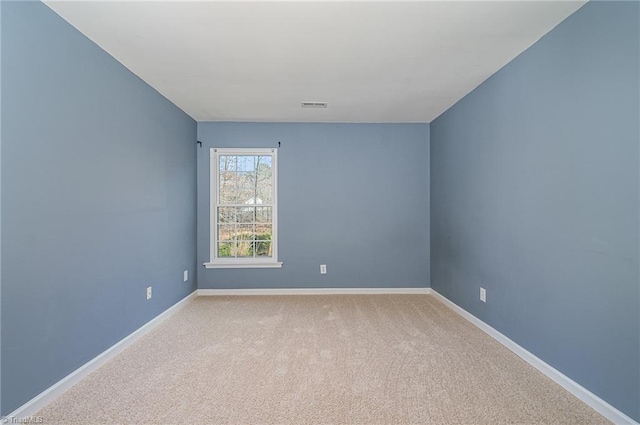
(314,104)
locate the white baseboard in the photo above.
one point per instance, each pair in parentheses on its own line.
(31,407)
(589,398)
(314,291)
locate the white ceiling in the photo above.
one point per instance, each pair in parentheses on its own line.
(371,61)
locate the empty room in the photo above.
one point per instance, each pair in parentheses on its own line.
(320,212)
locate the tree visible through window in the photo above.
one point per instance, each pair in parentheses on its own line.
(243,206)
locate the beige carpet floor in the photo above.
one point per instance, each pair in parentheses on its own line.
(349,359)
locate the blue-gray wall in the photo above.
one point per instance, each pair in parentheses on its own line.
(534,195)
(352,196)
(0,211)
(98,201)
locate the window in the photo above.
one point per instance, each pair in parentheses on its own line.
(244,208)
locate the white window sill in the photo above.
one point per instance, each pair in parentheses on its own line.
(243,265)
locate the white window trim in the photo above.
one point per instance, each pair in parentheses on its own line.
(241,263)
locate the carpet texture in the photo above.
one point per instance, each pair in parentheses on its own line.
(347,359)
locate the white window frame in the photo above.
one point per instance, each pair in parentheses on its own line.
(231,263)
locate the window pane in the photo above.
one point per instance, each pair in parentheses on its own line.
(263,248)
(246,163)
(263,240)
(247,188)
(263,232)
(247,196)
(227,188)
(264,191)
(245,248)
(227,163)
(263,214)
(263,179)
(226,249)
(226,232)
(226,215)
(245,215)
(263,160)
(246,178)
(245,232)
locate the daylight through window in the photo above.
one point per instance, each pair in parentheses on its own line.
(243,208)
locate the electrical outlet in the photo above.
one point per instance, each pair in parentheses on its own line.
(483,295)
(185,275)
(323,269)
(149,292)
